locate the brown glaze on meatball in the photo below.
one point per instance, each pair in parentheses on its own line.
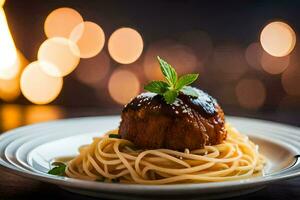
(150,123)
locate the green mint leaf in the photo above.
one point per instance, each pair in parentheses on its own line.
(168,71)
(187,90)
(114,136)
(186,80)
(59,170)
(171,89)
(170,96)
(158,87)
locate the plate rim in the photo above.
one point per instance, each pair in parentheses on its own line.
(126,188)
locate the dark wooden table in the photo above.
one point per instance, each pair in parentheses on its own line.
(13,187)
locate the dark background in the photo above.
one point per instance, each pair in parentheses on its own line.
(228,24)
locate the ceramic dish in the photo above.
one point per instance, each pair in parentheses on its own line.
(28,151)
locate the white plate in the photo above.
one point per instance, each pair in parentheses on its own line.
(29,150)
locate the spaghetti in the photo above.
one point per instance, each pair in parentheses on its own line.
(112,159)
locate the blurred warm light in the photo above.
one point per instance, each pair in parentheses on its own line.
(225,94)
(251,93)
(39,87)
(10,88)
(10,116)
(41,113)
(291,80)
(181,57)
(125,45)
(21,60)
(137,69)
(229,63)
(200,42)
(56,56)
(8,51)
(2,2)
(89,37)
(274,65)
(278,39)
(92,71)
(253,55)
(123,85)
(61,22)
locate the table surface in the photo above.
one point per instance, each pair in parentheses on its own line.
(13,187)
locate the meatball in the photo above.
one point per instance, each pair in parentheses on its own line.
(150,123)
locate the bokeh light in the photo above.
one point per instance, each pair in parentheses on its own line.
(253,55)
(8,51)
(11,117)
(56,56)
(89,37)
(229,63)
(61,22)
(92,71)
(226,94)
(10,88)
(200,42)
(278,39)
(9,72)
(123,85)
(125,45)
(41,113)
(251,93)
(137,69)
(274,65)
(180,56)
(39,87)
(291,79)
(2,2)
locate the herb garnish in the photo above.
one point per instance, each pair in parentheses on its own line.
(114,136)
(173,85)
(58,170)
